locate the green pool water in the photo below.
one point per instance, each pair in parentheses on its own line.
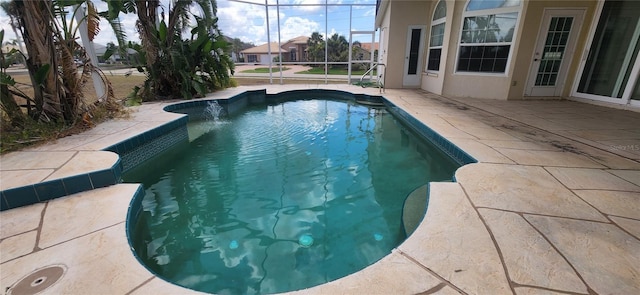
(280,197)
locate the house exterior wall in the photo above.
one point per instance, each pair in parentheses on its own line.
(384,41)
(508,85)
(531,26)
(263,59)
(479,85)
(400,15)
(434,81)
(300,51)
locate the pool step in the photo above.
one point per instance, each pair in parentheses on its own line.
(414,209)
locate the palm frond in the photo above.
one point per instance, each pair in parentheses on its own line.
(93,20)
(208,8)
(179,16)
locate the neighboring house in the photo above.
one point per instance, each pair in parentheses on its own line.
(513,49)
(292,51)
(296,49)
(363,51)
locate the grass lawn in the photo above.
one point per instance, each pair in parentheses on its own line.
(264,70)
(320,71)
(122,85)
(250,81)
(34,133)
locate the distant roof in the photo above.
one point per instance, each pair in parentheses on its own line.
(264,48)
(299,40)
(367,46)
(274,46)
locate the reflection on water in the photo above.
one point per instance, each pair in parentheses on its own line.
(281,197)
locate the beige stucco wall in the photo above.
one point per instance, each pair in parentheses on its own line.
(384,41)
(510,85)
(434,81)
(532,20)
(478,85)
(401,14)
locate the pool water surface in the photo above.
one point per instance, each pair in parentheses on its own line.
(281,197)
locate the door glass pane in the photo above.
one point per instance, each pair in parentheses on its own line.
(636,92)
(414,51)
(555,44)
(613,50)
(433,63)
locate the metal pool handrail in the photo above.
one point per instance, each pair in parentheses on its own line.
(383,76)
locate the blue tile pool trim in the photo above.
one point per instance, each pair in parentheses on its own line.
(142,147)
(132,152)
(47,190)
(453,151)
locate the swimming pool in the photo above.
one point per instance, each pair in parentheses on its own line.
(280,196)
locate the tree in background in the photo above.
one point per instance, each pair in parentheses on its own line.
(177,67)
(9,8)
(338,50)
(315,48)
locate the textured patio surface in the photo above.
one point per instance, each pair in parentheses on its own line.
(552,207)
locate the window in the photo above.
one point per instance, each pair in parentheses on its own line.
(487,34)
(437,36)
(252,58)
(293,56)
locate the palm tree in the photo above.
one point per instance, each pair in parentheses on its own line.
(8,103)
(36,24)
(172,71)
(315,47)
(236,45)
(50,40)
(338,48)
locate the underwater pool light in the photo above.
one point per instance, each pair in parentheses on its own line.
(305,241)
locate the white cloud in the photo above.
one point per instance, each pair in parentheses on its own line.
(107,35)
(9,36)
(247,21)
(244,21)
(307,4)
(297,26)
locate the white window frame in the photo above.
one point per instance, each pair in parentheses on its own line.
(494,11)
(635,70)
(442,20)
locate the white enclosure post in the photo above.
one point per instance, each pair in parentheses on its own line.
(88,46)
(266,7)
(279,42)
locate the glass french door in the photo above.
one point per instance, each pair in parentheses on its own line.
(550,64)
(611,68)
(413,56)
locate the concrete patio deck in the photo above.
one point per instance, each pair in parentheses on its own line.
(551,207)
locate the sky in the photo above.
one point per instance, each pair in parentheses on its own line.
(247,21)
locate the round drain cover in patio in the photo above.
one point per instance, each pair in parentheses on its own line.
(38,281)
